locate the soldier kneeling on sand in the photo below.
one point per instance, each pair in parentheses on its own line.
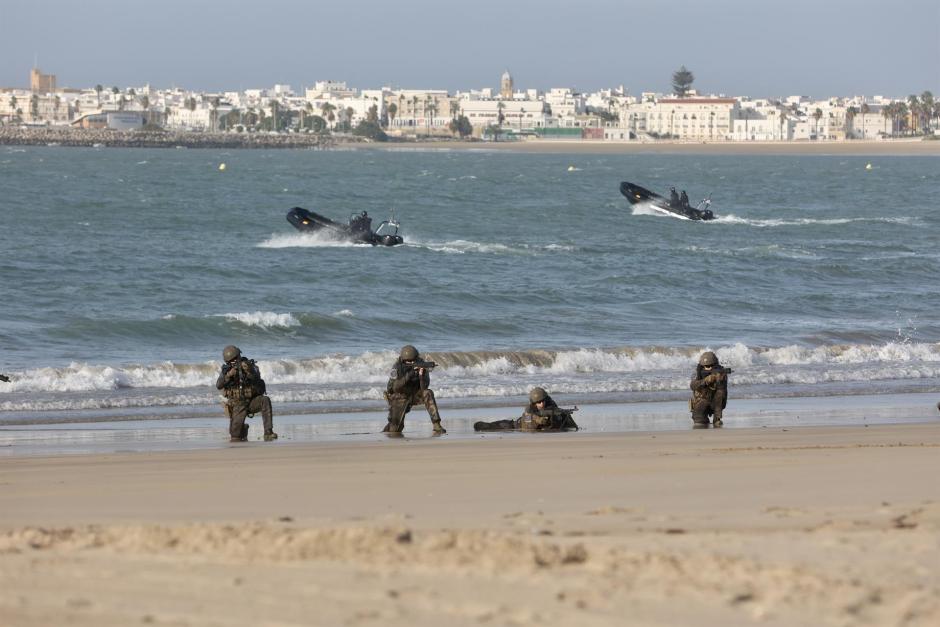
(541,414)
(408,385)
(244,390)
(709,390)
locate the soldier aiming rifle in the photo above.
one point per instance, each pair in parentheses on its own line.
(408,384)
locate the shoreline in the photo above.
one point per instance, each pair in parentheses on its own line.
(205,433)
(89,138)
(784,526)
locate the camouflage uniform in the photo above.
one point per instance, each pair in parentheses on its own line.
(549,418)
(245,394)
(406,388)
(709,394)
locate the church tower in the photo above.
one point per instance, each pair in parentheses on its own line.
(505,86)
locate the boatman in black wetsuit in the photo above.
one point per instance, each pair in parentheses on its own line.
(684,200)
(673,197)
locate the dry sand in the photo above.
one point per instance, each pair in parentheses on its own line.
(902,147)
(799,526)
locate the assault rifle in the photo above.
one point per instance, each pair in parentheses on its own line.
(415,366)
(238,369)
(4,378)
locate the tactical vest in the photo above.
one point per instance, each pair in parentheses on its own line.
(247,386)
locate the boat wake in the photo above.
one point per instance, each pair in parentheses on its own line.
(307,240)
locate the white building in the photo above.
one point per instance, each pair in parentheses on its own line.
(698,119)
(518,115)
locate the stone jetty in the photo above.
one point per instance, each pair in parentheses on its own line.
(19,136)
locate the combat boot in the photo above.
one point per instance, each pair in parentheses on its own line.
(270,436)
(243,437)
(439,428)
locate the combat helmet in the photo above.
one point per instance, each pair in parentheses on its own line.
(537,394)
(231,352)
(408,353)
(708,358)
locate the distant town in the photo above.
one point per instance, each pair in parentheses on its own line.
(333,108)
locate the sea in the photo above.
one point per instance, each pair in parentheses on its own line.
(126,271)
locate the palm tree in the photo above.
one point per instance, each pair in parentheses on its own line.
(145,105)
(98,90)
(274,110)
(307,110)
(414,110)
(214,113)
(499,117)
(850,114)
(328,110)
(34,107)
(914,105)
(927,105)
(886,112)
(900,110)
(817,114)
(432,109)
(392,111)
(783,120)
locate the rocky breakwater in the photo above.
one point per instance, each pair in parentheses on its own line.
(17,136)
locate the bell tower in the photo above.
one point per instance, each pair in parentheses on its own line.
(505,86)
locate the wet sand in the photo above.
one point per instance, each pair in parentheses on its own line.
(773,526)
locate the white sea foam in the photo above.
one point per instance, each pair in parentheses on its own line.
(305,240)
(648,209)
(345,313)
(338,377)
(461,247)
(730,218)
(263,319)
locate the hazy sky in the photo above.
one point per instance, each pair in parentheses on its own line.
(735,47)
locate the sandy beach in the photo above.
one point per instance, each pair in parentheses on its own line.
(769,526)
(899,148)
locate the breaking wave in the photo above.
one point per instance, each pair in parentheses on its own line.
(263,319)
(497,373)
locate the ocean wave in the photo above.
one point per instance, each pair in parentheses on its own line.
(486,372)
(263,319)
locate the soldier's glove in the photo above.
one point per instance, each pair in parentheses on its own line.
(411,375)
(711,379)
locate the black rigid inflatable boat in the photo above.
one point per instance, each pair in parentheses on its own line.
(359,228)
(640,195)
